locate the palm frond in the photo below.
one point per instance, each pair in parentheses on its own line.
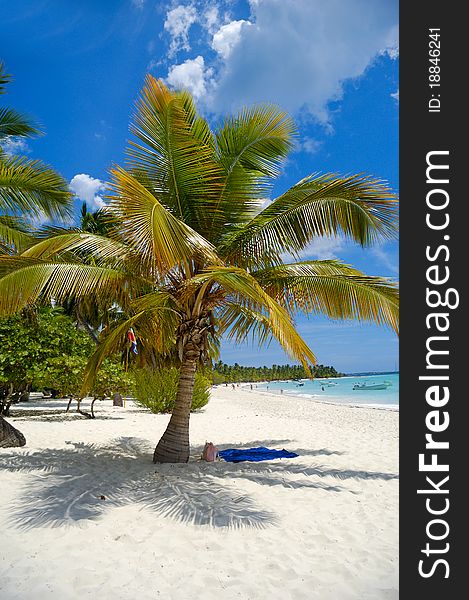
(238,323)
(358,207)
(101,249)
(31,187)
(162,240)
(48,281)
(251,149)
(247,292)
(154,329)
(14,235)
(334,289)
(15,124)
(176,155)
(4,77)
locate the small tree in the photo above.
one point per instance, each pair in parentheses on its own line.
(41,350)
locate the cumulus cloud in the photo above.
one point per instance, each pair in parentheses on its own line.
(190,75)
(298,53)
(178,22)
(87,188)
(324,248)
(396,96)
(14,145)
(228,36)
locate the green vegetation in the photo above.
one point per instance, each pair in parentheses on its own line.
(44,351)
(157,389)
(196,251)
(223,373)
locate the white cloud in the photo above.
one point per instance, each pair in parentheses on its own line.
(190,75)
(311,146)
(138,3)
(396,96)
(178,22)
(324,248)
(87,188)
(228,36)
(298,53)
(211,19)
(14,145)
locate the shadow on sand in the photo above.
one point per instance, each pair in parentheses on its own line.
(68,483)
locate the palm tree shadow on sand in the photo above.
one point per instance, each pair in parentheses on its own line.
(80,482)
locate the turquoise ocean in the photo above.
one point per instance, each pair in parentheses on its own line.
(339,390)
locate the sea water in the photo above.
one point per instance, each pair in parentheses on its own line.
(339,390)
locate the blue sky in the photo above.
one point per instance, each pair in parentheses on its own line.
(78,68)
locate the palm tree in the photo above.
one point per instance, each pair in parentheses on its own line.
(26,186)
(198,251)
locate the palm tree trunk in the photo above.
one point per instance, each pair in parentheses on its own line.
(173,447)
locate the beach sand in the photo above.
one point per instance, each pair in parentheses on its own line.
(320,526)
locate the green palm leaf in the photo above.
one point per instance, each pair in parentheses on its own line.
(247,292)
(359,207)
(4,78)
(14,235)
(101,248)
(61,281)
(332,288)
(176,157)
(154,328)
(161,240)
(14,124)
(30,186)
(239,323)
(251,148)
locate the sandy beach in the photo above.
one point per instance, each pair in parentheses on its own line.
(320,526)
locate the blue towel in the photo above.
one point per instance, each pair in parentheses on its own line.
(254,454)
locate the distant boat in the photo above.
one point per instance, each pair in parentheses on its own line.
(299,384)
(372,386)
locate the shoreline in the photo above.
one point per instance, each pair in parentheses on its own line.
(311,397)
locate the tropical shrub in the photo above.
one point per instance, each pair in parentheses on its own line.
(44,351)
(157,389)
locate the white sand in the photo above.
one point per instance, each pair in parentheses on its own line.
(321,526)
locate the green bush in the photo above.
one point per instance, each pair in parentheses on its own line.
(43,350)
(157,389)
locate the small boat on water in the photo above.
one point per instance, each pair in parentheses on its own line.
(372,386)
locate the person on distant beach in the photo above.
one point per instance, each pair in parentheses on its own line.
(250,386)
(233,386)
(281,391)
(322,387)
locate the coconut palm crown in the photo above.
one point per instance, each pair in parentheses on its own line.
(197,249)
